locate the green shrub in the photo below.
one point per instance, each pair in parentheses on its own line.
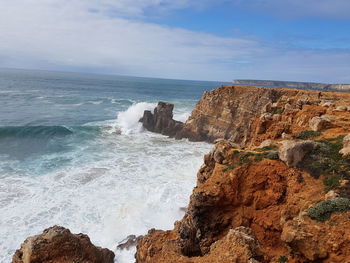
(229,167)
(325,159)
(323,210)
(266,148)
(282,259)
(332,182)
(272,156)
(304,135)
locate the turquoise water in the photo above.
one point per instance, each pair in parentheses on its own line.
(73,153)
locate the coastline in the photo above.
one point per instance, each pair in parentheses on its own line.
(247,201)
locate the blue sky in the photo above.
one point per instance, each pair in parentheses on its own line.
(297,40)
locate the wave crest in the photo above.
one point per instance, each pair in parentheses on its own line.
(34,131)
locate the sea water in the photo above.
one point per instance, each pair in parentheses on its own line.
(73,153)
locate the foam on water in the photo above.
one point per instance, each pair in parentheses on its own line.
(128,121)
(113,185)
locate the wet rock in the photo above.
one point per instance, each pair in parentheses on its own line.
(161,121)
(58,245)
(293,152)
(130,241)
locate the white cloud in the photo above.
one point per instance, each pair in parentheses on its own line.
(81,35)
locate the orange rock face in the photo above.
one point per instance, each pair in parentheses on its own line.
(58,245)
(250,115)
(255,212)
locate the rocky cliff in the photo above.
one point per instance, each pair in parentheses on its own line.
(275,188)
(249,115)
(249,206)
(292,84)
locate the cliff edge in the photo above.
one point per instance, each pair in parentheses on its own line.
(275,187)
(249,115)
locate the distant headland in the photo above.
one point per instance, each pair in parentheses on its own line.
(292,84)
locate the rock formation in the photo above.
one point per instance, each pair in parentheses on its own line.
(58,245)
(161,121)
(250,209)
(249,115)
(276,186)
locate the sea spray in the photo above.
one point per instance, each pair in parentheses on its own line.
(128,121)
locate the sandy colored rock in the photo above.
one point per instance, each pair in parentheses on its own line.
(345,151)
(320,123)
(293,152)
(341,108)
(266,143)
(58,245)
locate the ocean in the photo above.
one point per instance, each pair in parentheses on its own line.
(73,153)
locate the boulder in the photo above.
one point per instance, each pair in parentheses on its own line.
(58,245)
(293,152)
(345,151)
(328,104)
(320,123)
(341,108)
(239,245)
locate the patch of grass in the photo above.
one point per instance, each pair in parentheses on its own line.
(283,259)
(229,167)
(266,148)
(245,157)
(272,156)
(304,135)
(256,157)
(323,210)
(332,182)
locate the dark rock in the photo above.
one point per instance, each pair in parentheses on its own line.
(161,121)
(130,241)
(58,245)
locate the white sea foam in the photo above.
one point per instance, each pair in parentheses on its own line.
(128,121)
(95,102)
(115,186)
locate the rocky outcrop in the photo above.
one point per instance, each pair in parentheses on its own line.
(248,116)
(161,121)
(58,245)
(250,210)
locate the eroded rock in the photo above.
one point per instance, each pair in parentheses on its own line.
(161,121)
(58,245)
(293,152)
(320,123)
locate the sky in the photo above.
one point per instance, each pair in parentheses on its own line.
(296,40)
